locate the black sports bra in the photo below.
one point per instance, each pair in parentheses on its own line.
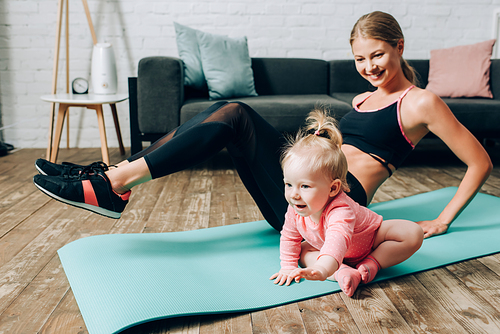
(378,133)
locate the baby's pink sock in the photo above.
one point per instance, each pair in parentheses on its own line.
(368,268)
(348,279)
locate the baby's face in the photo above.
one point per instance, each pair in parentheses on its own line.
(306,191)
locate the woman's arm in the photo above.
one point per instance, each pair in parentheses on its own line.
(439,119)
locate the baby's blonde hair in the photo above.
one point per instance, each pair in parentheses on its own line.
(317,147)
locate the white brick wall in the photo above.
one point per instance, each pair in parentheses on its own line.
(278,28)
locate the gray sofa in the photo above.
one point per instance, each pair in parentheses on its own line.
(288,89)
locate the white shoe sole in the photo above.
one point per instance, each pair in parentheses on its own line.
(40,171)
(93,208)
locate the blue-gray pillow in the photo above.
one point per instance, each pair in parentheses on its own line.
(187,44)
(226,65)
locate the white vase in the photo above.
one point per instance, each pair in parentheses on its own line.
(103,71)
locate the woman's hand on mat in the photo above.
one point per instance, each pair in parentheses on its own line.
(432,227)
(285,276)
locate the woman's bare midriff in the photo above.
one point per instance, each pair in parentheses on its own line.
(369,172)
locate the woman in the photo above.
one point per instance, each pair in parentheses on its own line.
(377,44)
(373,153)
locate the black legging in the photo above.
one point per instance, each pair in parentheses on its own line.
(254,145)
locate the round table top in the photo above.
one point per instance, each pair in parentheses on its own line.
(84,98)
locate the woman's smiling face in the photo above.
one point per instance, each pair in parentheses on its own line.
(377,61)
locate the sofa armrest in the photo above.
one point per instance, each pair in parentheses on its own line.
(160,93)
(135,134)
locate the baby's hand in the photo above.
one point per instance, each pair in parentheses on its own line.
(312,274)
(284,277)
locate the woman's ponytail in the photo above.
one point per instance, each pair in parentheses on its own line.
(409,72)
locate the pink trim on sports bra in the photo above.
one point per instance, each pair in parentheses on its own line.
(398,101)
(399,116)
(356,107)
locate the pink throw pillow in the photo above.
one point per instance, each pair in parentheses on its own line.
(461,71)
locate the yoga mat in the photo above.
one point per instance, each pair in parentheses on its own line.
(122,280)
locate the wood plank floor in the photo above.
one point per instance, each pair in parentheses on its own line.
(35,296)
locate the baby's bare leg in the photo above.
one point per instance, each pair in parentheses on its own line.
(308,255)
(395,241)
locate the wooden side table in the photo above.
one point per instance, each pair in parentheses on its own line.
(90,101)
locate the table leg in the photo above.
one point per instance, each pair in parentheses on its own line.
(102,131)
(117,127)
(51,131)
(67,130)
(63,108)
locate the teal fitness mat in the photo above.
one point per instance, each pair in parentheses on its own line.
(122,280)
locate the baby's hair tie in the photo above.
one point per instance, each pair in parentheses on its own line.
(316,132)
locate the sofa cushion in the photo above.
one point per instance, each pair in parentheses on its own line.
(344,78)
(293,76)
(461,71)
(480,116)
(284,112)
(345,97)
(226,65)
(187,46)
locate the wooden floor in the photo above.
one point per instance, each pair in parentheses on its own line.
(35,296)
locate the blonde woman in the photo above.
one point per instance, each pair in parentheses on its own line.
(385,125)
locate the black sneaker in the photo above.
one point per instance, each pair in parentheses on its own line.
(90,190)
(45,167)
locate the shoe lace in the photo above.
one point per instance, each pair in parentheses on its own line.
(93,168)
